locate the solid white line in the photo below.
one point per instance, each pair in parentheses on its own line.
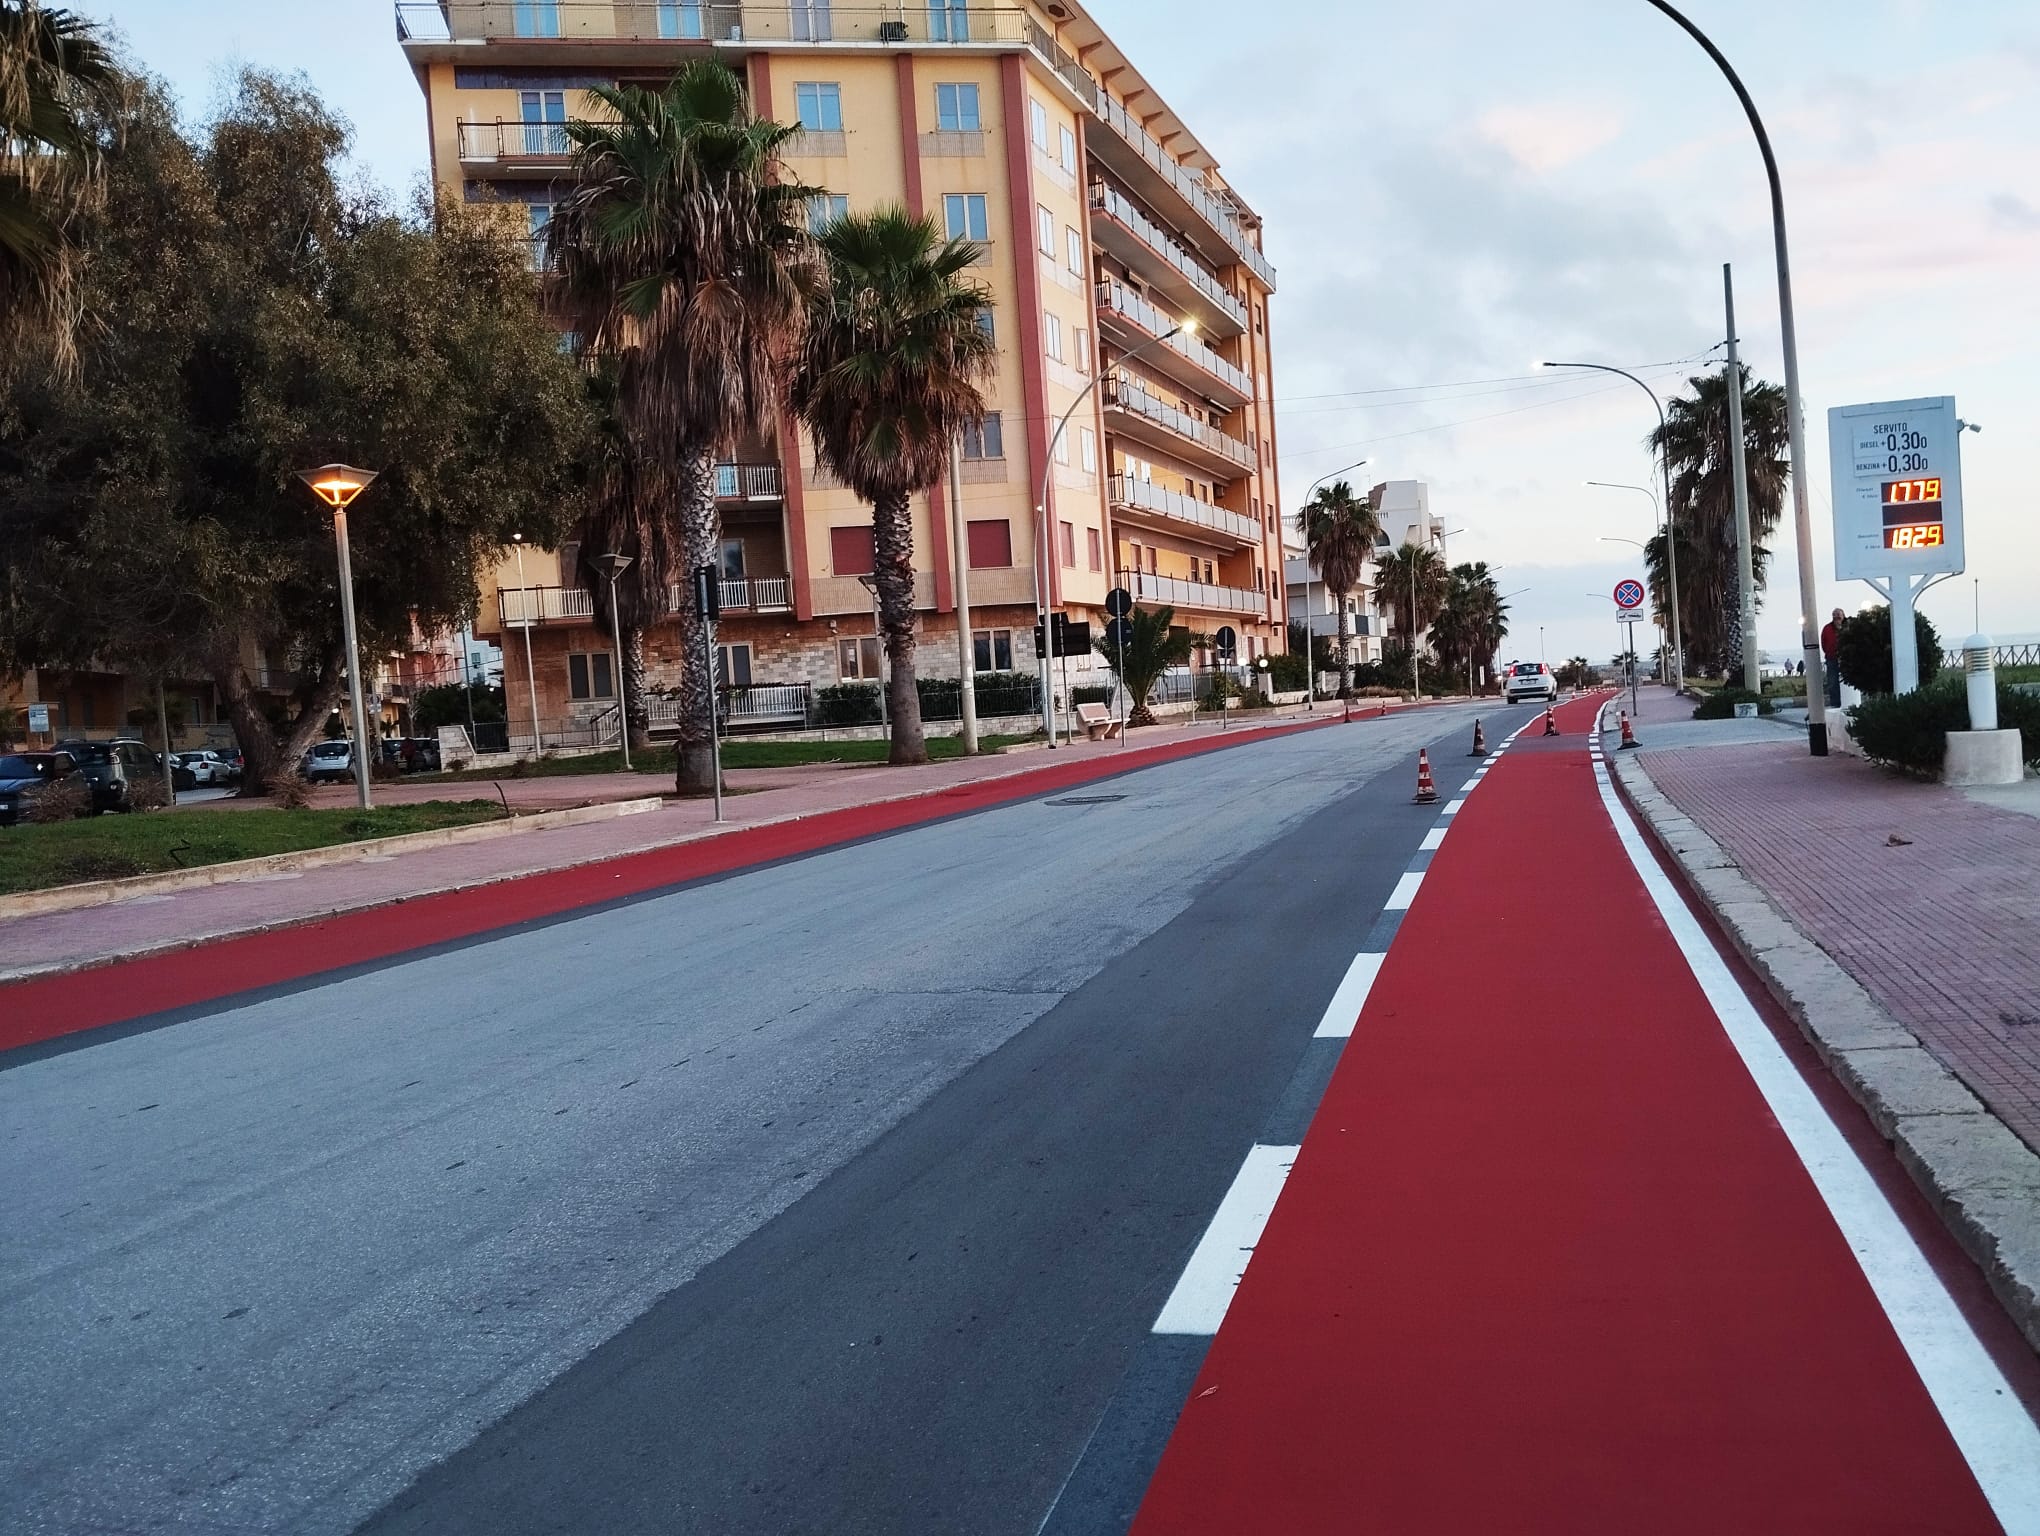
(1197,1304)
(1405,891)
(1431,840)
(1994,1433)
(1453,808)
(1343,1011)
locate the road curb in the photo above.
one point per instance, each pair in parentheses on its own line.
(1982,1180)
(97,893)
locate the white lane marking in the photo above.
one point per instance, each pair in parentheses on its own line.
(1453,808)
(1496,758)
(1469,786)
(1197,1304)
(1994,1433)
(1405,891)
(1343,1011)
(1431,840)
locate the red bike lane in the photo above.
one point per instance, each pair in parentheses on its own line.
(1547,1261)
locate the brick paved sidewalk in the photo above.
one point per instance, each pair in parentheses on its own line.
(1928,898)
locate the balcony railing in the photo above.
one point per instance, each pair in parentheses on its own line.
(1195,594)
(748,482)
(1127,395)
(519,606)
(1122,300)
(1110,203)
(515,141)
(1125,491)
(744,594)
(1188,184)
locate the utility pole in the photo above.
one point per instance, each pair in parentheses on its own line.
(1753,679)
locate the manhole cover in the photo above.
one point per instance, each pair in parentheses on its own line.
(1086,800)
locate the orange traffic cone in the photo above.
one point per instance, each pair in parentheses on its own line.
(1550,722)
(1628,733)
(1427,792)
(1383,710)
(1479,741)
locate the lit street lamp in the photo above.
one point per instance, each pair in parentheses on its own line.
(615,565)
(337,485)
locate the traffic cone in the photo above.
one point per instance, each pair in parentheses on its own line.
(1427,792)
(1550,722)
(1479,741)
(1628,733)
(1383,710)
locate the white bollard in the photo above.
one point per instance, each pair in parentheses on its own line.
(1981,668)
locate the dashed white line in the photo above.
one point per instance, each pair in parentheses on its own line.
(1453,808)
(1405,891)
(1197,1304)
(1344,1009)
(1432,839)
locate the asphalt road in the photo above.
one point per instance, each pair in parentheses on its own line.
(832,1196)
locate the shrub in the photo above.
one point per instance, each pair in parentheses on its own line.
(1720,705)
(1863,649)
(1286,673)
(291,790)
(148,793)
(1910,730)
(848,704)
(65,800)
(1092,693)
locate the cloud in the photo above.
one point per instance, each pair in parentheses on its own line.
(1549,136)
(2010,211)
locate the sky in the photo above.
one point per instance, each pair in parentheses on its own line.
(1455,190)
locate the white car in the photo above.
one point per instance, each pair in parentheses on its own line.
(203,769)
(1531,680)
(329,760)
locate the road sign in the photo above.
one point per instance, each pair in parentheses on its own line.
(1119,634)
(1629,594)
(1226,642)
(38,719)
(1897,471)
(1119,602)
(707,592)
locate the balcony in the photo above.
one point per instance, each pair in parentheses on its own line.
(1130,408)
(1131,151)
(502,148)
(1127,233)
(571,605)
(1185,359)
(748,482)
(1181,594)
(1139,501)
(742,594)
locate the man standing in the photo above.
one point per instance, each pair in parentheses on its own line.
(1830,638)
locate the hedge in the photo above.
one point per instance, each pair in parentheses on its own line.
(1720,705)
(1910,730)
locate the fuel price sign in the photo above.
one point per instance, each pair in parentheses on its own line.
(1897,488)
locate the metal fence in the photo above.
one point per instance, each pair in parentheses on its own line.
(2000,655)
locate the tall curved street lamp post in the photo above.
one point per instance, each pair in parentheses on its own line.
(1795,414)
(1309,672)
(1043,553)
(337,485)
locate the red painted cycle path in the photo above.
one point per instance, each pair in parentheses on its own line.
(49,1007)
(1546,1263)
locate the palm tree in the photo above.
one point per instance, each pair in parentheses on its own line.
(1338,531)
(1411,580)
(891,373)
(1695,443)
(53,72)
(1471,621)
(683,256)
(1154,646)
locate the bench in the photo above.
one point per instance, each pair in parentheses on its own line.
(1097,722)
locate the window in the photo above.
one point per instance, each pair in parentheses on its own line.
(1087,449)
(984,439)
(732,559)
(990,542)
(538,215)
(992,650)
(984,323)
(857,659)
(956,108)
(1069,151)
(681,18)
(819,105)
(1051,335)
(850,551)
(963,213)
(1044,225)
(545,118)
(1062,448)
(1069,544)
(1037,123)
(589,677)
(949,21)
(1095,547)
(733,665)
(824,208)
(535,18)
(1080,356)
(1073,250)
(1152,569)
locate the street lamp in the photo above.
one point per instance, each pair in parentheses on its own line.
(530,668)
(614,565)
(337,485)
(1795,415)
(1042,551)
(1665,462)
(1310,672)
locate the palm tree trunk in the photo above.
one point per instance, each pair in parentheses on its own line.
(700,544)
(635,721)
(892,534)
(1345,646)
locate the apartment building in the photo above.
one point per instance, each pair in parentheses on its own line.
(1108,232)
(1404,509)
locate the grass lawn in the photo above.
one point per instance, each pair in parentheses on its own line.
(33,858)
(737,753)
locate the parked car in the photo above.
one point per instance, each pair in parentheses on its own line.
(226,767)
(328,760)
(203,768)
(234,764)
(1531,680)
(115,768)
(23,773)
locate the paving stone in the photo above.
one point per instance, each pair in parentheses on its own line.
(1903,1082)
